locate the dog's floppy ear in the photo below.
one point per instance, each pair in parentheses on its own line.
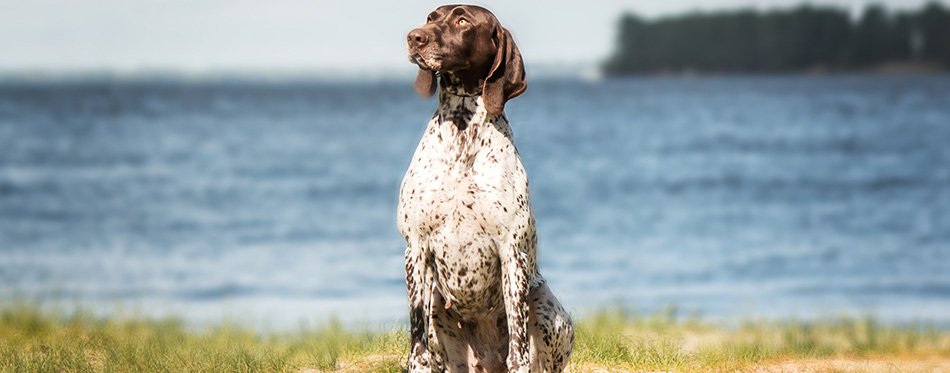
(425,82)
(506,78)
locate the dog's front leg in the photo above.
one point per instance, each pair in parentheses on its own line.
(516,275)
(419,286)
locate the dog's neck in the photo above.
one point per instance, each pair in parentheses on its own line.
(463,120)
(462,107)
(459,86)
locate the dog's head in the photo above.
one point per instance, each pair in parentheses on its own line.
(469,43)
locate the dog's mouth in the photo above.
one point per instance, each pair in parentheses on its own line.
(430,61)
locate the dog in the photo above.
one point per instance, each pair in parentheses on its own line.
(477,300)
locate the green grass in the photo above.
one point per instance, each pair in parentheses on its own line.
(622,341)
(32,340)
(35,341)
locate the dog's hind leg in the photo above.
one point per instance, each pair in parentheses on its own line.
(550,331)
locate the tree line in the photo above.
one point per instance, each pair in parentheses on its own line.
(802,38)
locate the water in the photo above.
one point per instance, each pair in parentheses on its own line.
(273,204)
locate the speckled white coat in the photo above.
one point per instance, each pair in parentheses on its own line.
(477,300)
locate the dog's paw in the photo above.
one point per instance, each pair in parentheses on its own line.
(418,365)
(517,367)
(419,360)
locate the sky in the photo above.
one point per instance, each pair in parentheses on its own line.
(298,36)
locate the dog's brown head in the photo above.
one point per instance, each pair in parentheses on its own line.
(467,42)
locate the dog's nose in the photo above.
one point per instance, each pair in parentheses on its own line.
(417,38)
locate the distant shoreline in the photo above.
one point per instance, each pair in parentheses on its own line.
(806,38)
(885,69)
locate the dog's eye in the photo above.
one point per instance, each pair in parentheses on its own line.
(463,22)
(428,19)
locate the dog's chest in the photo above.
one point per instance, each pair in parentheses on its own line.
(463,193)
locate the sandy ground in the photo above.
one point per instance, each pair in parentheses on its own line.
(934,365)
(841,365)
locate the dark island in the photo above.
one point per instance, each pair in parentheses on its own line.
(802,39)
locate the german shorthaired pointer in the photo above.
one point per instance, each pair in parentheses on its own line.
(477,301)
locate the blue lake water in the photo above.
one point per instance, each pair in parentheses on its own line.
(273,203)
